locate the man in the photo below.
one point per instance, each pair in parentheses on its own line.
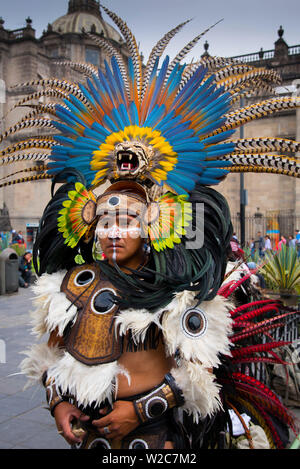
(260,242)
(25,270)
(297,237)
(130,401)
(135,337)
(268,245)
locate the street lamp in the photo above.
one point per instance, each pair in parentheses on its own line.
(243,193)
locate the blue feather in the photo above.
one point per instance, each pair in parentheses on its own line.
(165,121)
(155,115)
(64,128)
(106,87)
(99,128)
(118,118)
(182,181)
(169,125)
(64,140)
(86,94)
(218,137)
(94,134)
(178,134)
(124,113)
(218,164)
(77,103)
(192,144)
(215,172)
(211,127)
(110,124)
(118,77)
(177,188)
(159,82)
(66,116)
(134,117)
(83,142)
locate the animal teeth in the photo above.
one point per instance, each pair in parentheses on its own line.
(130,157)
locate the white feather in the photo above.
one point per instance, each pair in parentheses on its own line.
(138,321)
(90,384)
(200,392)
(45,289)
(39,358)
(214,341)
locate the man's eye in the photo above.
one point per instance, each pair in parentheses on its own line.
(104,223)
(123,222)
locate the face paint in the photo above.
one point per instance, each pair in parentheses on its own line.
(115,232)
(114,257)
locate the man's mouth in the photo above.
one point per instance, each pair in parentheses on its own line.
(127,161)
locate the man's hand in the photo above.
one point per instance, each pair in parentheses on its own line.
(120,421)
(64,414)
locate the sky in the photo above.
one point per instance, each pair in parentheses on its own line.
(246,26)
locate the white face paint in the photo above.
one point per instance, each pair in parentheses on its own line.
(116,232)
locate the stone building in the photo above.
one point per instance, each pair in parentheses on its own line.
(273,201)
(24,57)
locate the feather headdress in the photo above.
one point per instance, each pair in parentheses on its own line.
(164,125)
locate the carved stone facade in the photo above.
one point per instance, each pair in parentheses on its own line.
(23,57)
(268,192)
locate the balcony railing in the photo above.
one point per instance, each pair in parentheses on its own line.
(265,54)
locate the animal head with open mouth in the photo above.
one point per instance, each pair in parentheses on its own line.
(132,159)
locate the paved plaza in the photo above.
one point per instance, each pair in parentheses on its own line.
(25,423)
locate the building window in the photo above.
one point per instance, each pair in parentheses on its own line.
(54,52)
(92,56)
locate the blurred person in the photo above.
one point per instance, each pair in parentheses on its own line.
(25,269)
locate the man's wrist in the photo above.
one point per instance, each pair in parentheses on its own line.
(54,395)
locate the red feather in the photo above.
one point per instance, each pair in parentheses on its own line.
(258,348)
(251,305)
(256,312)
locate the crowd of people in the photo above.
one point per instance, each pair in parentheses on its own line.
(264,244)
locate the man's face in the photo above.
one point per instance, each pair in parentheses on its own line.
(120,239)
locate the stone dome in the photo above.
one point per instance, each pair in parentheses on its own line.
(85,14)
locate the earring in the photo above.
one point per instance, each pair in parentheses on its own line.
(97,250)
(147,248)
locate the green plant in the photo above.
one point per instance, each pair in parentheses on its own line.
(282,270)
(20,249)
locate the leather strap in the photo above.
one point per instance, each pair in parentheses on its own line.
(160,399)
(53,394)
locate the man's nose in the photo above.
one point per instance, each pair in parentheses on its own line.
(114,232)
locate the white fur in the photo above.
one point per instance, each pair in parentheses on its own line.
(88,383)
(206,348)
(200,392)
(58,314)
(39,358)
(46,290)
(138,321)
